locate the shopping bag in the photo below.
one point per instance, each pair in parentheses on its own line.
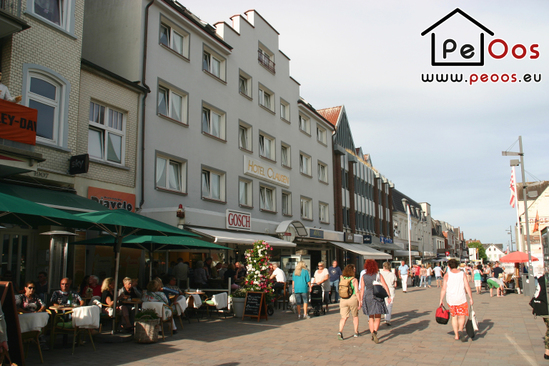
(378,290)
(442,315)
(474,321)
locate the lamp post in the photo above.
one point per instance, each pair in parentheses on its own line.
(515,162)
(511,239)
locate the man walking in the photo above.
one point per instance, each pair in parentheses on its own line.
(404,275)
(334,277)
(438,271)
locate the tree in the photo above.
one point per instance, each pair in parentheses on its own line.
(480,250)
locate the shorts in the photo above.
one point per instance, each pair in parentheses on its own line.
(301,298)
(438,278)
(492,283)
(349,306)
(477,283)
(460,310)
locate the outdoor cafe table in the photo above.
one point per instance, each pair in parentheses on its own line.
(30,322)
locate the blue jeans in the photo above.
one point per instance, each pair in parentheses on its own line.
(429,280)
(334,289)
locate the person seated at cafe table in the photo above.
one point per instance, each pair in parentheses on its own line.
(62,297)
(200,275)
(93,283)
(41,289)
(241,271)
(170,284)
(155,294)
(278,275)
(108,298)
(29,302)
(231,273)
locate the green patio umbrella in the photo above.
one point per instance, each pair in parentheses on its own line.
(15,210)
(122,223)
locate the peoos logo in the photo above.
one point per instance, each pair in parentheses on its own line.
(457,39)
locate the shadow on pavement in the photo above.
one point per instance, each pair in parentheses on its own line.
(405,329)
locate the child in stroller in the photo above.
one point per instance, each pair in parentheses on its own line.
(317,300)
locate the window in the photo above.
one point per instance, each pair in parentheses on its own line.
(213,63)
(172,104)
(305,164)
(265,58)
(245,134)
(213,122)
(287,203)
(47,96)
(213,185)
(323,212)
(285,111)
(245,192)
(267,198)
(170,174)
(106,133)
(177,41)
(245,84)
(265,98)
(59,13)
(285,155)
(322,172)
(304,124)
(306,210)
(321,135)
(267,145)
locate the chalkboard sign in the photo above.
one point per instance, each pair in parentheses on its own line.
(11,315)
(255,305)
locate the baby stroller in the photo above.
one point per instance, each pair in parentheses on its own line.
(317,300)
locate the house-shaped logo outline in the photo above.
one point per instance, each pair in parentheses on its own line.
(481,39)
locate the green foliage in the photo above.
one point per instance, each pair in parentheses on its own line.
(480,250)
(147,314)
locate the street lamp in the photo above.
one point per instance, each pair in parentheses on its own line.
(515,162)
(511,239)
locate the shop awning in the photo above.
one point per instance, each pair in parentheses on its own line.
(231,237)
(385,246)
(405,253)
(362,249)
(65,201)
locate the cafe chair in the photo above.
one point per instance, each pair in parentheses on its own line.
(194,303)
(163,312)
(31,325)
(82,319)
(282,297)
(106,312)
(217,302)
(181,306)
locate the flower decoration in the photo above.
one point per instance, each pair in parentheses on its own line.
(258,269)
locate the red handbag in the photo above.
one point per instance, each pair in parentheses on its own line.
(442,315)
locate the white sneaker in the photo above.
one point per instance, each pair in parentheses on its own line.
(299,316)
(307,317)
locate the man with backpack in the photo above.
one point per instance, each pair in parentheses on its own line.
(349,301)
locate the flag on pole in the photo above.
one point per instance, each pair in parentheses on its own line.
(513,188)
(536,226)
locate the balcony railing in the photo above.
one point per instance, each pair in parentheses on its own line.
(265,61)
(12,7)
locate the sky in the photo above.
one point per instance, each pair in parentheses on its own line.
(439,143)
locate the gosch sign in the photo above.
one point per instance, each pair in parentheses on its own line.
(237,220)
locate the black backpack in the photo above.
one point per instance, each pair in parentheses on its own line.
(344,288)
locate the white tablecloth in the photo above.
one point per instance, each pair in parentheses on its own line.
(29,322)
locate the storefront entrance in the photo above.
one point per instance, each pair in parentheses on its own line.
(14,251)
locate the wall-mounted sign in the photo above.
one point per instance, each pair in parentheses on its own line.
(17,122)
(316,233)
(261,170)
(238,220)
(79,164)
(367,239)
(349,237)
(113,200)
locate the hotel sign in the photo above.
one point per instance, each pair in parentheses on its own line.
(259,169)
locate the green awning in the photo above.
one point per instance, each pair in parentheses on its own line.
(155,242)
(65,201)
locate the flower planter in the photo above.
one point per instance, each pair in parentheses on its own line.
(238,306)
(147,331)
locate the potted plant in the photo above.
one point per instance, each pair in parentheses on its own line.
(146,328)
(237,300)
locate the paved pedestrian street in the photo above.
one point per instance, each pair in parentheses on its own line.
(509,335)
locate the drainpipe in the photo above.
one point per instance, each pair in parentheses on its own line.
(143,75)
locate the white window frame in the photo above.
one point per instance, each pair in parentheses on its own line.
(245,136)
(245,84)
(245,192)
(209,115)
(172,34)
(107,130)
(321,135)
(59,104)
(269,142)
(286,207)
(322,172)
(305,164)
(213,63)
(306,208)
(66,17)
(208,178)
(167,163)
(286,162)
(266,193)
(171,108)
(285,110)
(324,213)
(266,98)
(304,124)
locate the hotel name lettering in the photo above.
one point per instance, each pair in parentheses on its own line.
(257,169)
